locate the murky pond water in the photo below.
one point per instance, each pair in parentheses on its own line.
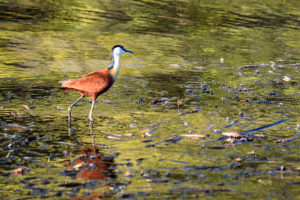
(175,123)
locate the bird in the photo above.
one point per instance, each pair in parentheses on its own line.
(96,83)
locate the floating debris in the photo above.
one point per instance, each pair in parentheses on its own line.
(148,132)
(78,166)
(107,102)
(215,147)
(193,136)
(234,122)
(287,140)
(26,107)
(128,134)
(232,134)
(286,79)
(19,115)
(200,67)
(248,67)
(179,102)
(112,134)
(262,101)
(154,125)
(130,173)
(188,112)
(245,100)
(243,137)
(163,100)
(264,181)
(20,171)
(60,108)
(67,143)
(114,138)
(141,100)
(175,65)
(207,191)
(210,127)
(264,127)
(15,127)
(217,131)
(70,184)
(157,180)
(242,74)
(165,103)
(173,139)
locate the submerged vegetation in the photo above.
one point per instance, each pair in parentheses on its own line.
(207,106)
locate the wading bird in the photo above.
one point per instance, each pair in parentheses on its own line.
(96,83)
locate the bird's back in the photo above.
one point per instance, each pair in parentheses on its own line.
(92,84)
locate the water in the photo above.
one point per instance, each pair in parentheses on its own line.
(199,69)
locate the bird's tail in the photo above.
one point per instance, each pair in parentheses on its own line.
(62,81)
(66,83)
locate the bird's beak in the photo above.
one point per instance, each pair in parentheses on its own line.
(129,51)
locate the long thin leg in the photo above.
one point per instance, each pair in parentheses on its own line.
(91,112)
(70,109)
(92,128)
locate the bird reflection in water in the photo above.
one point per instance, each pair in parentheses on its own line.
(92,166)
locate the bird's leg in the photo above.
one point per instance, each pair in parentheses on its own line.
(91,112)
(70,109)
(91,128)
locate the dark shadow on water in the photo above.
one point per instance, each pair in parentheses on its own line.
(26,89)
(170,82)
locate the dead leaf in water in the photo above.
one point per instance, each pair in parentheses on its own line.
(19,115)
(232,134)
(59,108)
(165,103)
(128,134)
(188,112)
(179,102)
(147,133)
(238,159)
(107,102)
(114,138)
(78,166)
(16,127)
(193,136)
(154,125)
(26,107)
(265,182)
(175,65)
(245,100)
(248,67)
(20,171)
(286,78)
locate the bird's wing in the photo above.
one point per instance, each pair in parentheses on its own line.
(93,82)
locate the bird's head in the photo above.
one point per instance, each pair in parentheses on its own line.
(119,50)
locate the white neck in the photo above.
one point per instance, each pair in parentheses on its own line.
(116,66)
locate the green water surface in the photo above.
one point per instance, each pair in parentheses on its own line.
(200,68)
